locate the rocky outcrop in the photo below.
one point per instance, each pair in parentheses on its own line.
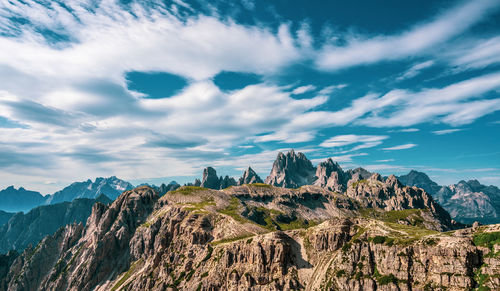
(163,189)
(291,170)
(112,187)
(210,179)
(249,177)
(28,229)
(392,195)
(331,176)
(357,174)
(15,200)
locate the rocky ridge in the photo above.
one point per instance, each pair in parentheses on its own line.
(203,239)
(27,229)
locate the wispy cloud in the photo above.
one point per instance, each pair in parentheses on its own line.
(405,130)
(415,70)
(400,147)
(303,89)
(447,131)
(361,50)
(361,141)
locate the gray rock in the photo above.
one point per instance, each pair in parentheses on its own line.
(249,177)
(291,170)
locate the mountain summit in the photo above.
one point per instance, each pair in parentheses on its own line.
(291,170)
(112,187)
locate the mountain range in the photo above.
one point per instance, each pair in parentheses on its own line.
(28,229)
(317,228)
(466,201)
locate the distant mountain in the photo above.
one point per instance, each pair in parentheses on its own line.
(212,181)
(465,201)
(5,216)
(112,187)
(249,177)
(25,229)
(421,180)
(15,200)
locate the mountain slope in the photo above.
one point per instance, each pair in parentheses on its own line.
(15,200)
(4,217)
(465,201)
(255,237)
(112,187)
(24,229)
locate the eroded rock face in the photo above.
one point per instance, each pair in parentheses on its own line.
(331,176)
(291,170)
(392,195)
(249,177)
(202,241)
(210,179)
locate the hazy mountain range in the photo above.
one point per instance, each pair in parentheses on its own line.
(466,201)
(312,228)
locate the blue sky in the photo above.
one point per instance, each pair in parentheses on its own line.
(151,91)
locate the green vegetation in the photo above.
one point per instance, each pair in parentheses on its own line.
(340,273)
(187,190)
(204,275)
(487,239)
(209,253)
(272,220)
(200,205)
(232,210)
(379,239)
(127,275)
(412,216)
(355,184)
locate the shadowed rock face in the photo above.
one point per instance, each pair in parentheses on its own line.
(249,177)
(15,200)
(210,179)
(291,170)
(25,229)
(199,239)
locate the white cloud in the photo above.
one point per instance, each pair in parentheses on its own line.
(361,141)
(303,89)
(447,131)
(329,89)
(452,104)
(418,40)
(400,147)
(405,130)
(474,54)
(415,70)
(143,40)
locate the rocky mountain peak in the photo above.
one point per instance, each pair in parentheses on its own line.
(249,177)
(291,170)
(210,179)
(330,175)
(392,181)
(421,180)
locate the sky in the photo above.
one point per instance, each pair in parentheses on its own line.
(154,91)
